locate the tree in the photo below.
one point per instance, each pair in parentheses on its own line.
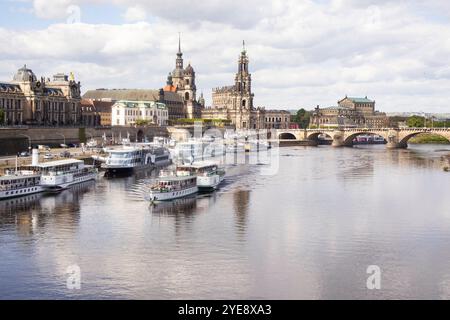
(416,122)
(2,116)
(302,118)
(142,122)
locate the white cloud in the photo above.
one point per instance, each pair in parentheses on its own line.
(302,53)
(134,14)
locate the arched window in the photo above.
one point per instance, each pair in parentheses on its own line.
(186,96)
(243,103)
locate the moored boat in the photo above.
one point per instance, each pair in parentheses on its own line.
(19,183)
(131,157)
(59,175)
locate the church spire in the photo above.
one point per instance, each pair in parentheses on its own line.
(179,61)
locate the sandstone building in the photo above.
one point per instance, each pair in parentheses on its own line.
(32,101)
(350,112)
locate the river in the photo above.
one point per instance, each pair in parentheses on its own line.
(309,231)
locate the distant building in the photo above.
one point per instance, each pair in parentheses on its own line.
(29,100)
(126,113)
(235,103)
(95,112)
(277,119)
(89,115)
(172,100)
(350,112)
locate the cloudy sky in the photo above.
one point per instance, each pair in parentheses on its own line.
(303,52)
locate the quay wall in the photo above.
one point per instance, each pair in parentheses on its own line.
(14,140)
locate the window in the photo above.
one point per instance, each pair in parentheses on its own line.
(186,96)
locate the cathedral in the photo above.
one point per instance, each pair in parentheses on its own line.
(182,81)
(235,102)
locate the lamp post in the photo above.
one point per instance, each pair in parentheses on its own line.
(64,137)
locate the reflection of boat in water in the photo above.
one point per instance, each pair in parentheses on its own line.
(23,203)
(129,158)
(185,205)
(209,175)
(171,186)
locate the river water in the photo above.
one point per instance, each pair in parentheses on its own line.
(309,231)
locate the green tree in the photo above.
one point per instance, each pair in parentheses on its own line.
(2,116)
(416,122)
(142,122)
(302,118)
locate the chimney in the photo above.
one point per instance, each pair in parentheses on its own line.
(35,157)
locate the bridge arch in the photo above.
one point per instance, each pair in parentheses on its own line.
(348,141)
(315,135)
(287,136)
(404,140)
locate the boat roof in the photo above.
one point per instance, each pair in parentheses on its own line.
(175,178)
(58,163)
(19,176)
(198,165)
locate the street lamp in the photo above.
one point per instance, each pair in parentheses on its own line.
(64,137)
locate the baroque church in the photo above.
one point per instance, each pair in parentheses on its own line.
(182,81)
(235,102)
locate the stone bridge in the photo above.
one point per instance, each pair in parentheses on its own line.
(395,138)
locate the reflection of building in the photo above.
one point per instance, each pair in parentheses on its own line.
(125,113)
(235,103)
(350,112)
(29,100)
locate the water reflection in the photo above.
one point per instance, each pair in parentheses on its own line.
(309,231)
(241,202)
(34,212)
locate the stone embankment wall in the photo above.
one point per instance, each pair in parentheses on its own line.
(14,140)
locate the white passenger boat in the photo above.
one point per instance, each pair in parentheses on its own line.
(128,158)
(209,175)
(171,186)
(19,183)
(59,175)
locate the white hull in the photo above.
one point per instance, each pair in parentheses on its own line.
(70,181)
(20,192)
(209,182)
(170,195)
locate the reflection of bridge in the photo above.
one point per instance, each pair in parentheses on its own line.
(396,138)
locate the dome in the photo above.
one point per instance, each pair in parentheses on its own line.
(24,75)
(189,70)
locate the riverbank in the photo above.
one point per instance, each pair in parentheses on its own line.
(429,139)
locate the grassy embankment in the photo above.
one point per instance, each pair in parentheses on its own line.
(429,139)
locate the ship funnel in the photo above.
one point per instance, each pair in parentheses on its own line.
(35,157)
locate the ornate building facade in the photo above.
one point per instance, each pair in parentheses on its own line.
(350,112)
(235,103)
(29,100)
(182,81)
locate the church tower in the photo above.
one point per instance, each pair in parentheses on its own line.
(243,82)
(178,72)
